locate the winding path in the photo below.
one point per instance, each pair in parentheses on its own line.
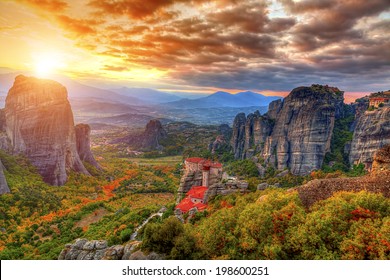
(159,213)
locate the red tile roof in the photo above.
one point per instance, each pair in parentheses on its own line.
(197,192)
(186,204)
(194,159)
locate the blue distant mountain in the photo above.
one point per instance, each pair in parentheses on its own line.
(225,99)
(147,95)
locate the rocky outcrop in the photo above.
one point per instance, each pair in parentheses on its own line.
(221,142)
(218,143)
(238,137)
(153,134)
(82,249)
(321,189)
(303,129)
(149,140)
(378,181)
(381,160)
(3,182)
(4,140)
(199,172)
(295,133)
(39,124)
(225,189)
(274,108)
(83,144)
(372,131)
(187,181)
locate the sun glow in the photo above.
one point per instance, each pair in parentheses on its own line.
(46,64)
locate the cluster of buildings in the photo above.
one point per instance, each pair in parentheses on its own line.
(198,170)
(379,98)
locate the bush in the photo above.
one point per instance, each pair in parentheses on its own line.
(125,235)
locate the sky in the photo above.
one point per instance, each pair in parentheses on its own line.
(201,46)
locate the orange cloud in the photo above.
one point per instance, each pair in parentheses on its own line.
(114,68)
(48,5)
(79,27)
(137,9)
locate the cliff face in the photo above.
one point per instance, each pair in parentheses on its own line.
(39,123)
(149,140)
(372,131)
(250,134)
(154,132)
(303,129)
(381,161)
(3,182)
(83,143)
(238,138)
(295,133)
(221,142)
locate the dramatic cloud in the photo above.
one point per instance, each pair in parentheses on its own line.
(77,26)
(246,44)
(52,6)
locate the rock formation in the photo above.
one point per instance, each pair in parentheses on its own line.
(199,172)
(295,133)
(39,124)
(221,144)
(3,182)
(378,181)
(274,108)
(149,140)
(381,161)
(4,140)
(83,144)
(218,143)
(372,131)
(238,137)
(82,249)
(225,189)
(153,134)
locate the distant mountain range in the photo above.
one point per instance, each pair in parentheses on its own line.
(136,106)
(225,99)
(147,95)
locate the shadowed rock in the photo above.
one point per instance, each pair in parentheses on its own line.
(83,143)
(3,182)
(372,132)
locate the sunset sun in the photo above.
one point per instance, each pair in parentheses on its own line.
(46,65)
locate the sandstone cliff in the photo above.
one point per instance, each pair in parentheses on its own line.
(238,137)
(221,142)
(3,182)
(153,134)
(381,160)
(83,143)
(295,133)
(372,131)
(39,123)
(149,140)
